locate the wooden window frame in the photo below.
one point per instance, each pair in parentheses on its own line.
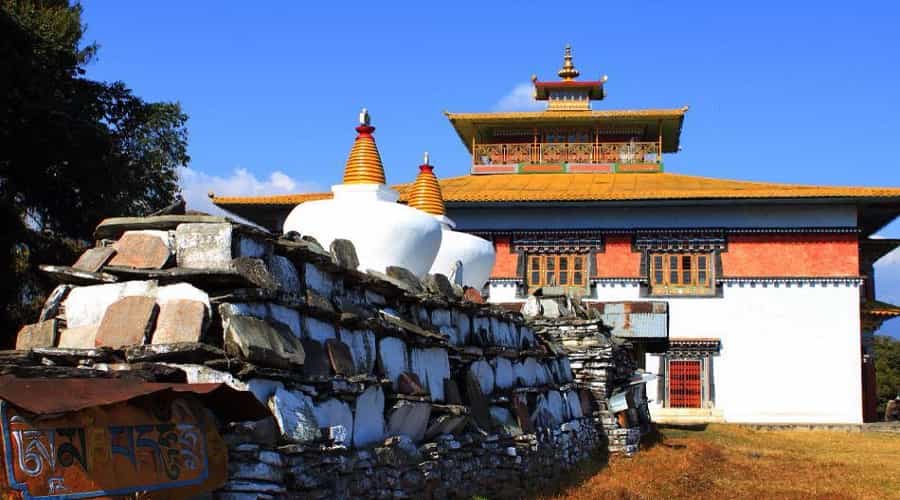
(682,273)
(550,268)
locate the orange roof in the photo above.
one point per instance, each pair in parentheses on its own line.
(597,187)
(878,308)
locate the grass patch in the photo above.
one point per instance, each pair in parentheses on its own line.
(723,461)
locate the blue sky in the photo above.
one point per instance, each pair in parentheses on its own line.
(778,91)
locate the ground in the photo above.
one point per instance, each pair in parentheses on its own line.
(723,461)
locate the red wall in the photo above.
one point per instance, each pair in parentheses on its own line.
(505,265)
(618,261)
(791,255)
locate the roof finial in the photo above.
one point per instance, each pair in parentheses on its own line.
(364,163)
(568,71)
(426,191)
(425,159)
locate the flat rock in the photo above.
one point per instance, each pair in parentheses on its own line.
(343,253)
(113,227)
(202,278)
(333,413)
(259,342)
(40,334)
(410,419)
(53,305)
(504,377)
(127,321)
(483,372)
(316,362)
(86,305)
(408,383)
(404,275)
(521,414)
(340,357)
(294,412)
(72,276)
(478,403)
(180,321)
(532,307)
(393,358)
(143,250)
(179,352)
(362,348)
(79,337)
(368,424)
(284,272)
(451,392)
(254,270)
(439,284)
(433,367)
(445,424)
(93,259)
(204,246)
(503,419)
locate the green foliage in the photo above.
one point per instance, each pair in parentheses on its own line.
(72,150)
(887,369)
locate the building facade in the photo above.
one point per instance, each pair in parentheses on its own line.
(770,287)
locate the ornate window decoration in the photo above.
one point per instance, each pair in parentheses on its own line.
(681,264)
(687,373)
(565,270)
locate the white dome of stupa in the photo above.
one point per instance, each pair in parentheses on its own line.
(464,258)
(365,211)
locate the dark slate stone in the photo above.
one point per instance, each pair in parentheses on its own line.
(316,363)
(54,302)
(340,357)
(478,402)
(182,352)
(72,276)
(93,259)
(408,383)
(259,342)
(404,275)
(254,270)
(343,253)
(113,227)
(439,284)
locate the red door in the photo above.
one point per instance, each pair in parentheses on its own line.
(684,384)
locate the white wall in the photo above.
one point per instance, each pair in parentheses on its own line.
(788,354)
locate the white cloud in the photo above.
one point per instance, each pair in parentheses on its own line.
(520,98)
(196,184)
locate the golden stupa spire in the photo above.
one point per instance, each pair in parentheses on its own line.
(425,193)
(568,71)
(364,163)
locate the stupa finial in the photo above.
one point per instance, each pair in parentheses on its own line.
(568,71)
(364,163)
(426,192)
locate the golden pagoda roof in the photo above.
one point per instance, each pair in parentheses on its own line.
(597,187)
(364,162)
(879,308)
(425,192)
(469,125)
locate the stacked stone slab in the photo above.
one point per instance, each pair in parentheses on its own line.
(380,384)
(600,362)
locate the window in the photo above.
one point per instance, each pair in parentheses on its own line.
(567,270)
(681,274)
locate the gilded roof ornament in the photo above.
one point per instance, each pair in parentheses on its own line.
(568,71)
(426,192)
(364,163)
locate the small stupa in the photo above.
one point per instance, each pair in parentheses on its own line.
(365,211)
(464,258)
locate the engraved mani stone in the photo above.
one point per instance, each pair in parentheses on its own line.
(79,337)
(142,250)
(127,321)
(180,321)
(93,259)
(40,334)
(203,246)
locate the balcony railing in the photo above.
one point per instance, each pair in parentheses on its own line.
(565,152)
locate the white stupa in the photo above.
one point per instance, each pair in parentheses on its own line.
(464,258)
(365,211)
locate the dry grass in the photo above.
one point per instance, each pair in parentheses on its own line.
(734,462)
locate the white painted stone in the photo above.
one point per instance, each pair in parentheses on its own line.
(556,407)
(451,334)
(409,419)
(423,315)
(203,246)
(374,298)
(476,256)
(463,323)
(285,273)
(573,402)
(368,418)
(504,378)
(393,357)
(384,232)
(251,246)
(503,418)
(441,317)
(433,367)
(295,415)
(286,316)
(362,348)
(85,305)
(318,281)
(482,329)
(483,372)
(263,388)
(527,372)
(565,370)
(532,307)
(334,412)
(502,334)
(201,374)
(526,337)
(182,291)
(318,330)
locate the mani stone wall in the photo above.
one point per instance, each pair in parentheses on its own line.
(379,385)
(605,365)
